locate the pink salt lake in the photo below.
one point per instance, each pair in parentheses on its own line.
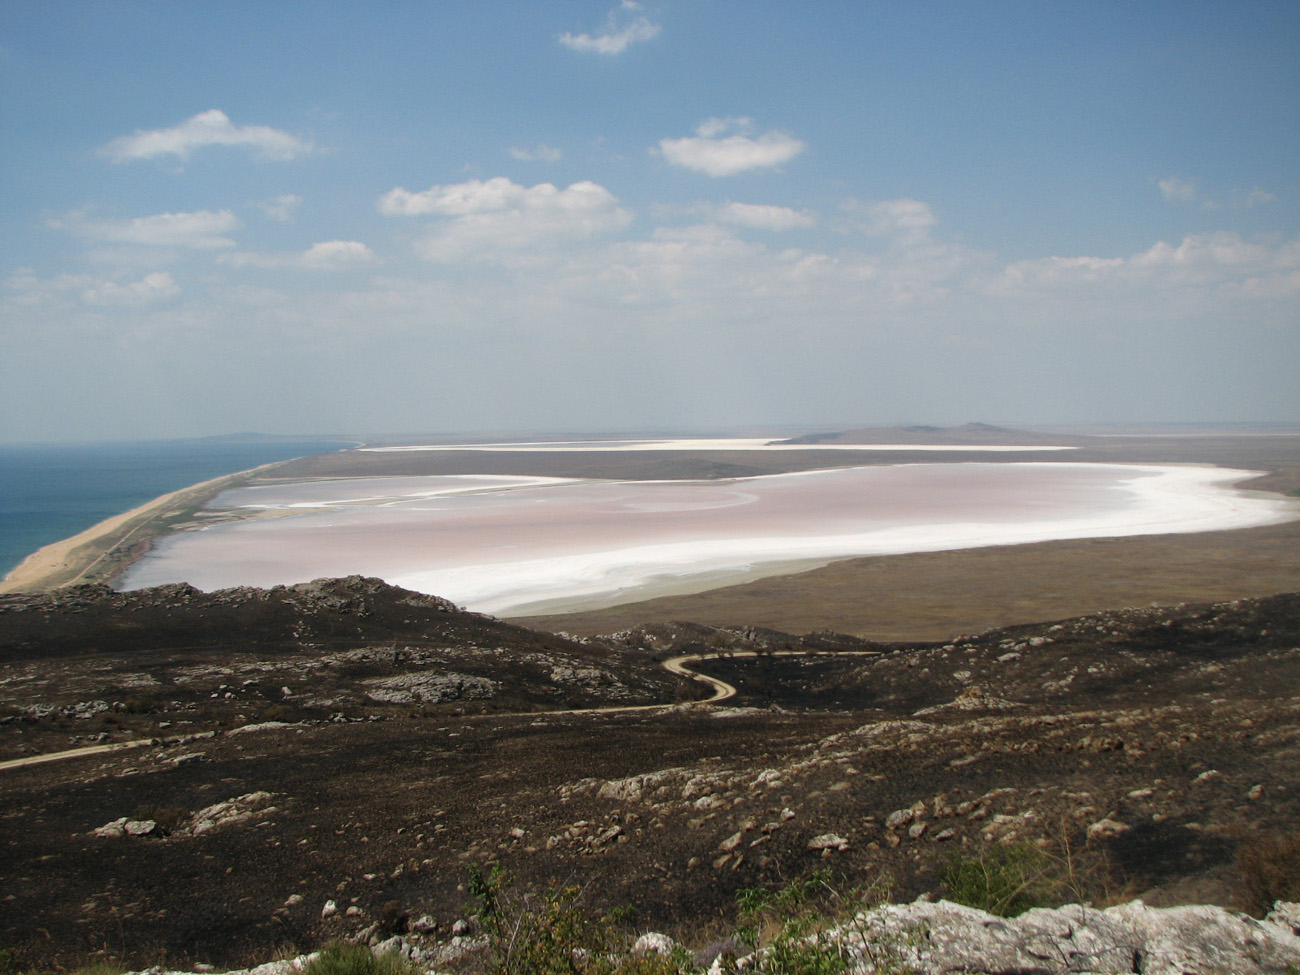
(515,545)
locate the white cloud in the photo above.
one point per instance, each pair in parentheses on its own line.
(617,35)
(281,208)
(626,328)
(1053,271)
(202,229)
(337,253)
(1178,189)
(30,290)
(1204,250)
(329,255)
(906,221)
(210,128)
(713,127)
(539,153)
(1254,197)
(456,199)
(498,215)
(1199,265)
(763,216)
(711,150)
(153,287)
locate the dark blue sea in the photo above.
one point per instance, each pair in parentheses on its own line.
(50,492)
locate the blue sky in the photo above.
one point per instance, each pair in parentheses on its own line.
(466,217)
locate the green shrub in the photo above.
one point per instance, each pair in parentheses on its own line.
(546,935)
(792,931)
(341,958)
(101,968)
(11,963)
(785,932)
(1006,881)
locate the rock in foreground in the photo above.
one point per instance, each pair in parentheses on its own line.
(941,938)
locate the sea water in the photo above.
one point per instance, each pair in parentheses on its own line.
(49,492)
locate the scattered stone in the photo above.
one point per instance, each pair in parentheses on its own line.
(424,924)
(828,841)
(652,942)
(1106,829)
(898,818)
(237,810)
(114,830)
(395,947)
(430,688)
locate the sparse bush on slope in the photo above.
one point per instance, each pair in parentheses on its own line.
(342,958)
(1269,867)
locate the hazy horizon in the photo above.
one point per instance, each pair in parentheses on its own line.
(775,431)
(630,216)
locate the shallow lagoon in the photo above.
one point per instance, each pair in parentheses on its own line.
(516,545)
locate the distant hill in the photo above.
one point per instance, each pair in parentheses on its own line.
(974,434)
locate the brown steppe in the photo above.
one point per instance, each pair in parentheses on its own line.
(939,595)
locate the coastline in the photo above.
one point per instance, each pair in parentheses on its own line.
(101,552)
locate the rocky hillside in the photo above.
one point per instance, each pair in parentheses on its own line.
(350,744)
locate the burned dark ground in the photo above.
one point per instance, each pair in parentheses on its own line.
(351,742)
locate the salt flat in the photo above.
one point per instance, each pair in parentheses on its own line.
(509,544)
(697,444)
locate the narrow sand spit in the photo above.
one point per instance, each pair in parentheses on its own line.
(74,559)
(507,544)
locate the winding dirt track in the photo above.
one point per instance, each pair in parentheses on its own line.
(722,691)
(116,746)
